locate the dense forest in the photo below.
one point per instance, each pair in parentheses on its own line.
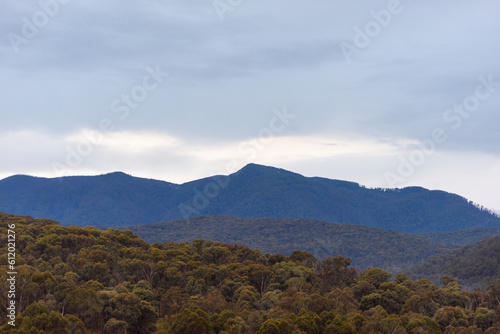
(365,246)
(472,264)
(85,280)
(463,237)
(118,199)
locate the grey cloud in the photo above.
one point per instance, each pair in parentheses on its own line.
(227,76)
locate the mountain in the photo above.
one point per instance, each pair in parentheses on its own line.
(471,264)
(118,199)
(365,246)
(109,200)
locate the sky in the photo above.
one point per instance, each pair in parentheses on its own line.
(384,93)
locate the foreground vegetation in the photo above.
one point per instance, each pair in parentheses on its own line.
(84,280)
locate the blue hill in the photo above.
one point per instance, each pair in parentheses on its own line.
(118,199)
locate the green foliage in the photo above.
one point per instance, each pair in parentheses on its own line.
(485,318)
(114,326)
(451,316)
(424,324)
(38,319)
(464,237)
(473,264)
(113,282)
(275,327)
(196,322)
(364,246)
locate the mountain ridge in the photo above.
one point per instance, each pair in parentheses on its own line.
(118,199)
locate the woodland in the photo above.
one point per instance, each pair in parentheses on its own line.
(84,280)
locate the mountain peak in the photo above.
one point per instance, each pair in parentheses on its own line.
(116,174)
(256,169)
(254,166)
(117,198)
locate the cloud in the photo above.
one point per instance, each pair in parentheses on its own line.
(227,77)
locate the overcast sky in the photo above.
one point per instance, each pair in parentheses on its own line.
(383,93)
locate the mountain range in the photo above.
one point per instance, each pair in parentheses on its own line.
(118,199)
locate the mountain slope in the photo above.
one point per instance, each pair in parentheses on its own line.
(463,237)
(257,191)
(367,247)
(118,199)
(471,264)
(109,200)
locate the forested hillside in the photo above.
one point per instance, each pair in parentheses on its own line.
(365,246)
(471,264)
(118,199)
(109,200)
(463,237)
(85,280)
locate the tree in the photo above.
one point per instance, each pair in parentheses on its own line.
(392,325)
(393,296)
(139,314)
(213,302)
(196,322)
(45,281)
(375,276)
(298,284)
(173,300)
(37,318)
(340,301)
(494,290)
(421,301)
(485,318)
(335,272)
(451,316)
(215,254)
(144,290)
(228,322)
(246,297)
(28,291)
(451,294)
(85,304)
(305,258)
(75,325)
(370,301)
(308,322)
(362,288)
(424,324)
(259,277)
(114,326)
(373,318)
(271,326)
(340,326)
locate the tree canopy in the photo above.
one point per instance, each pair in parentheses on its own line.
(85,280)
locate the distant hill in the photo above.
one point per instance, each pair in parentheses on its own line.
(471,264)
(463,237)
(109,200)
(118,199)
(366,246)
